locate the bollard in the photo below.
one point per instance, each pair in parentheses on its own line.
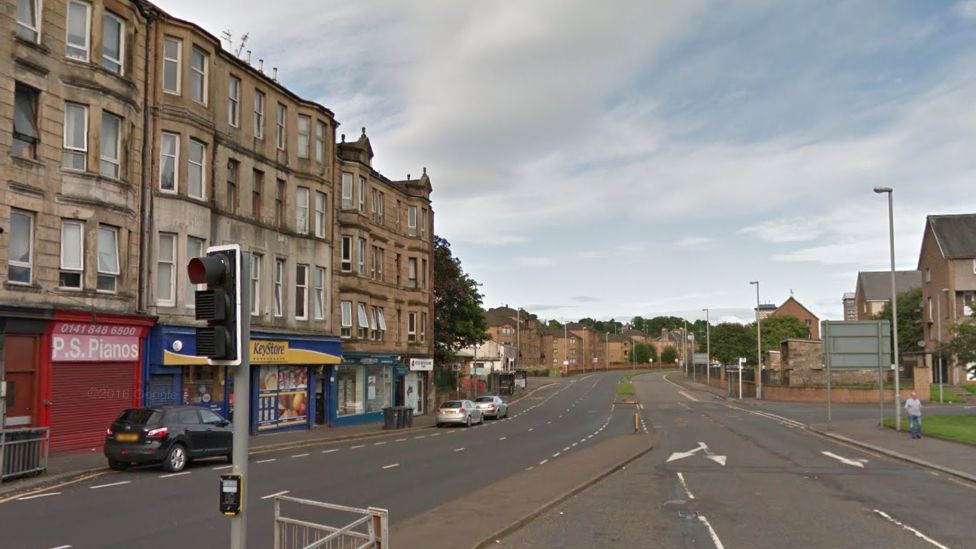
(636,422)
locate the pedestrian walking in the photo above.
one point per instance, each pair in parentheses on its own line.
(914,407)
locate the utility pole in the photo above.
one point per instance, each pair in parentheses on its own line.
(894,303)
(518,335)
(708,348)
(758,344)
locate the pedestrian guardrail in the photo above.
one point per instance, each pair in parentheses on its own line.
(23,452)
(370,531)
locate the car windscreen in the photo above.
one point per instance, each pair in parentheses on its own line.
(485,399)
(139,416)
(452,404)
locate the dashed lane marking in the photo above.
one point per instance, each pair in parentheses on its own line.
(459,449)
(918,534)
(392,465)
(685,486)
(98,486)
(330,451)
(221,468)
(300,456)
(711,532)
(357,446)
(543,462)
(35,496)
(171,475)
(502,438)
(400,440)
(266,460)
(379,443)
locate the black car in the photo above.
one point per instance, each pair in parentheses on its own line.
(172,435)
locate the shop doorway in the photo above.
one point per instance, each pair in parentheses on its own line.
(413,392)
(322,391)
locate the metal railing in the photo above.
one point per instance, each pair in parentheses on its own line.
(23,452)
(370,531)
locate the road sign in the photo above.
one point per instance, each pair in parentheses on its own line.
(857,344)
(700,359)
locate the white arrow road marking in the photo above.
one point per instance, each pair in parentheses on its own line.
(701,446)
(853,462)
(910,529)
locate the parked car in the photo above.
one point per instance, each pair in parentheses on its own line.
(462,412)
(492,406)
(171,435)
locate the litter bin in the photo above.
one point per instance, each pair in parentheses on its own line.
(408,416)
(389,418)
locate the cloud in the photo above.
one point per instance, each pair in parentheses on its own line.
(586,299)
(692,241)
(966,9)
(545,307)
(535,261)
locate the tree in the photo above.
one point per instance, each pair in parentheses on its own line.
(669,355)
(638,323)
(653,326)
(554,325)
(644,353)
(910,319)
(459,320)
(730,341)
(775,329)
(963,342)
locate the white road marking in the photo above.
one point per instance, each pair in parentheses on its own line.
(434,435)
(171,475)
(910,529)
(300,456)
(62,547)
(566,449)
(554,456)
(543,462)
(711,531)
(266,460)
(357,446)
(574,444)
(420,437)
(689,397)
(392,465)
(502,438)
(35,496)
(400,440)
(530,467)
(459,449)
(330,451)
(852,462)
(110,484)
(281,493)
(685,486)
(379,443)
(531,429)
(221,468)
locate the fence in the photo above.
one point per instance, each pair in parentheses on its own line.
(23,452)
(370,531)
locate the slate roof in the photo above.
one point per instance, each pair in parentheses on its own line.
(876,285)
(955,234)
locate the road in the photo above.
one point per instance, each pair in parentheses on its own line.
(780,486)
(406,473)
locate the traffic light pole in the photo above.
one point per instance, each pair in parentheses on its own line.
(242,404)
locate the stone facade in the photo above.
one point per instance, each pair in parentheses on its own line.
(90,193)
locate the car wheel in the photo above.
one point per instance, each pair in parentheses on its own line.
(468,422)
(117,465)
(175,459)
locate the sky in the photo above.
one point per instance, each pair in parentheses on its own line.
(647,157)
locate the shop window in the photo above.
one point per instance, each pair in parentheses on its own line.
(349,390)
(379,387)
(203,386)
(282,396)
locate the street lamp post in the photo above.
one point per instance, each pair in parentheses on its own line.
(894,302)
(939,323)
(684,346)
(758,345)
(607,362)
(708,348)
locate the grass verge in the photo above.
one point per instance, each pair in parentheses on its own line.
(958,428)
(948,395)
(625,389)
(970,387)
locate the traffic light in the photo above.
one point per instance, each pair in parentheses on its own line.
(219,304)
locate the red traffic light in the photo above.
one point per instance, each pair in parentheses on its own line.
(210,269)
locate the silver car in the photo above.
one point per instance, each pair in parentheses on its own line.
(492,406)
(462,412)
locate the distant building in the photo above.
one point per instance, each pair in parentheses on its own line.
(874,290)
(765,310)
(850,306)
(792,307)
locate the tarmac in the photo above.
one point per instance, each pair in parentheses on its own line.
(63,468)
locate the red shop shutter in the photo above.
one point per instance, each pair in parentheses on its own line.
(85,399)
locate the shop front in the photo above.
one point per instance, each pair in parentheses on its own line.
(417,384)
(90,372)
(286,371)
(365,383)
(21,334)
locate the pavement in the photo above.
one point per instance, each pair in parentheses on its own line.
(65,467)
(563,435)
(731,474)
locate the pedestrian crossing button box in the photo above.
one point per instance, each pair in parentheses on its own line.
(231,494)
